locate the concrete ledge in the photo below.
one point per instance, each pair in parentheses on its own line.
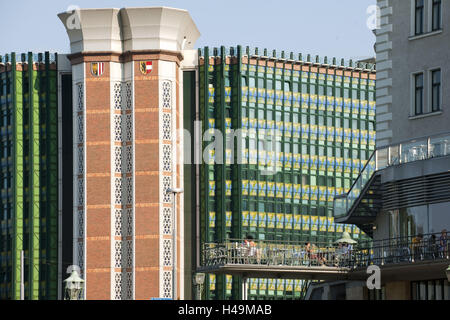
(281,272)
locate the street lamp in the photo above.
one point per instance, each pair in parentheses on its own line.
(199,280)
(74,286)
(174,191)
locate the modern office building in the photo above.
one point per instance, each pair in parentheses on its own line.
(308,128)
(100,151)
(29,176)
(405,196)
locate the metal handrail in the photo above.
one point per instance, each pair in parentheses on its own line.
(408,249)
(405,249)
(271,255)
(357,180)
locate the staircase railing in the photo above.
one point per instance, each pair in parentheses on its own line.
(344,202)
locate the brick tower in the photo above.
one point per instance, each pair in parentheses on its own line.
(127,103)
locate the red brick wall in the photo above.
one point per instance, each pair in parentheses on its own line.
(98,185)
(146,90)
(147,177)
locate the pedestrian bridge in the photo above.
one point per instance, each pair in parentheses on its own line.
(271,259)
(322,261)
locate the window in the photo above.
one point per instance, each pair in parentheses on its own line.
(321,151)
(304,88)
(287,86)
(346,93)
(329,121)
(362,125)
(252,82)
(346,153)
(363,95)
(418,93)
(260,82)
(436,90)
(436,24)
(4,118)
(305,180)
(278,85)
(321,91)
(430,290)
(419,17)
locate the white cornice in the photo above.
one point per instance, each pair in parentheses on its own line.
(129,29)
(93,30)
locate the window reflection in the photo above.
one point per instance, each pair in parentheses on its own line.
(425,219)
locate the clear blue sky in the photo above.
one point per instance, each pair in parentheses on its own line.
(325,27)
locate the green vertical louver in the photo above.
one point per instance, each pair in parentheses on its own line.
(324,114)
(29,185)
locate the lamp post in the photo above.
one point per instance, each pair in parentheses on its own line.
(199,280)
(74,286)
(174,191)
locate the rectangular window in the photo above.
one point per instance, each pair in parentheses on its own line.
(418,93)
(329,91)
(304,88)
(252,82)
(278,85)
(346,94)
(436,90)
(436,15)
(419,17)
(260,82)
(321,90)
(287,86)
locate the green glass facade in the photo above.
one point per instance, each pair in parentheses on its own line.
(29,175)
(323,115)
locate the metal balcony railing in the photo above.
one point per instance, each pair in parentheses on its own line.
(276,253)
(408,249)
(401,153)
